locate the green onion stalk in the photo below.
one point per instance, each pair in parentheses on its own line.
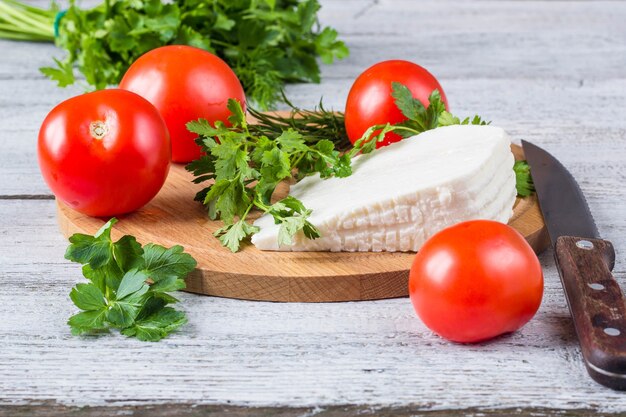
(20,21)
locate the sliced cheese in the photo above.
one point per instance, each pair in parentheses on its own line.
(400,195)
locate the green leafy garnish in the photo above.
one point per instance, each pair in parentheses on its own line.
(523,180)
(128,285)
(246,162)
(421,119)
(246,166)
(268,43)
(447,119)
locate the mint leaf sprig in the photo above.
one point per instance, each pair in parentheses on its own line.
(246,166)
(128,285)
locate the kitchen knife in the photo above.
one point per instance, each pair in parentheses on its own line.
(584,262)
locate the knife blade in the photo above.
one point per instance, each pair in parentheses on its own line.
(584,262)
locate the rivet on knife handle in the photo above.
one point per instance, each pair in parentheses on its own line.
(597,306)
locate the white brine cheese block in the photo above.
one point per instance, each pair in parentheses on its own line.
(400,195)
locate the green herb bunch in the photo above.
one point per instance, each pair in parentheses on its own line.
(128,285)
(266,42)
(246,162)
(246,167)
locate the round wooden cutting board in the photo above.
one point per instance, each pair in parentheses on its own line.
(173,218)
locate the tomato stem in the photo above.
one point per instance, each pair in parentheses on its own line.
(98,129)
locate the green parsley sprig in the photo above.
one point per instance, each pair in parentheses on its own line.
(128,287)
(246,167)
(268,43)
(421,119)
(523,181)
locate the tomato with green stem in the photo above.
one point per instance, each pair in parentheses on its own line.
(104,153)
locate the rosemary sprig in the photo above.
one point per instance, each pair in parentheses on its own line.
(245,167)
(314,125)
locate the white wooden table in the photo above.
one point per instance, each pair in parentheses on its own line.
(550,72)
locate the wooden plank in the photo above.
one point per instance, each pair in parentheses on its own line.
(47,409)
(259,354)
(553,113)
(455,39)
(512,82)
(550,72)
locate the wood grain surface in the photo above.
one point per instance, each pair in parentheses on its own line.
(551,72)
(173,218)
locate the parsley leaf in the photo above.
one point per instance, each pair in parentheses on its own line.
(128,253)
(523,180)
(93,250)
(63,74)
(92,321)
(129,285)
(156,326)
(411,108)
(162,263)
(292,216)
(447,119)
(232,234)
(134,281)
(419,118)
(88,297)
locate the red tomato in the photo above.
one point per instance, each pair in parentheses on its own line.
(370,103)
(184,83)
(104,153)
(476,280)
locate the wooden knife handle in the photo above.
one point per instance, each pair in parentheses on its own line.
(597,306)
